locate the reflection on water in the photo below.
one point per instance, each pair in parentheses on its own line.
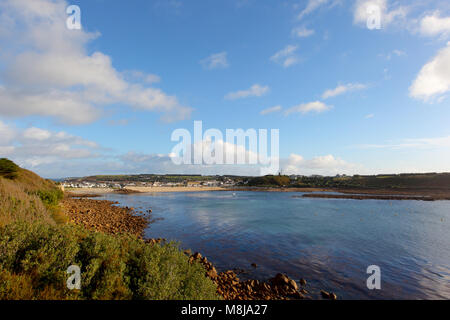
(329,242)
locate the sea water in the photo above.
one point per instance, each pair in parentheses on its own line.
(328,242)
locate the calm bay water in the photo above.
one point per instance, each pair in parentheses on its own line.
(329,242)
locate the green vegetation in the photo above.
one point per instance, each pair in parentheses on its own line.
(37,246)
(27,196)
(34,259)
(20,198)
(384,181)
(8,169)
(269,181)
(410,181)
(50,197)
(394,181)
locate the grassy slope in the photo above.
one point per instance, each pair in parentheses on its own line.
(430,181)
(37,247)
(20,198)
(423,181)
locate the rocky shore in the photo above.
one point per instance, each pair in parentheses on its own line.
(230,287)
(367,197)
(105,216)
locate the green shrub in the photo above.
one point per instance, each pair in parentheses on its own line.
(50,197)
(34,258)
(16,204)
(8,169)
(269,181)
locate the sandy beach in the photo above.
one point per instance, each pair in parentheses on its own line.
(100,191)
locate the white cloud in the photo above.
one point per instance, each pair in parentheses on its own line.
(370,116)
(302,32)
(287,56)
(417,143)
(316,106)
(69,107)
(398,53)
(433,25)
(162,163)
(294,164)
(58,154)
(215,61)
(341,89)
(35,146)
(255,90)
(323,165)
(49,73)
(311,6)
(6,134)
(394,53)
(36,134)
(271,110)
(141,76)
(390,14)
(433,79)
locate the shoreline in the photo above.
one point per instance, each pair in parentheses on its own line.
(356,194)
(131,190)
(229,286)
(367,197)
(105,216)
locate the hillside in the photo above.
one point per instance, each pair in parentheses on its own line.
(407,181)
(26,196)
(38,244)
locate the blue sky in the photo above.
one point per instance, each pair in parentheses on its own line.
(106,98)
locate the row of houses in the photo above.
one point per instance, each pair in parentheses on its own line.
(88,184)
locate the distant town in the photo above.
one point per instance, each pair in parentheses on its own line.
(124,181)
(390,181)
(150,180)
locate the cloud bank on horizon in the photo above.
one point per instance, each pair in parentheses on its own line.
(105,98)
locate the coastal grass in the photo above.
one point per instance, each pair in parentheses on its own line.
(34,258)
(17,204)
(8,169)
(37,245)
(25,196)
(269,181)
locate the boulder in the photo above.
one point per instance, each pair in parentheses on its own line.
(197,255)
(280,279)
(328,295)
(293,284)
(212,273)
